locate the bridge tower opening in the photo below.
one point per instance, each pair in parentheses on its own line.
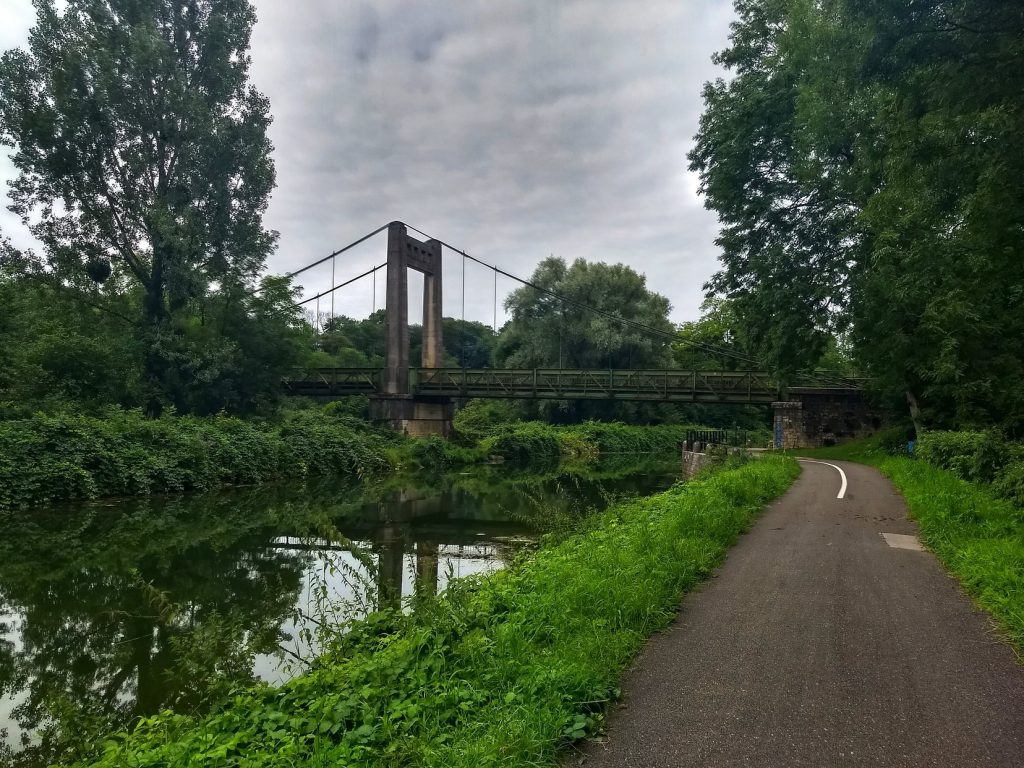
(396,405)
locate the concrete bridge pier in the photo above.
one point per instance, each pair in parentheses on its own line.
(396,406)
(814,419)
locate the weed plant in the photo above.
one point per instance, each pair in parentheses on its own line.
(504,669)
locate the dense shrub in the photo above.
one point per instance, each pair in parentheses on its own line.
(436,453)
(505,669)
(981,457)
(1009,483)
(953,451)
(526,443)
(52,457)
(480,418)
(536,442)
(894,440)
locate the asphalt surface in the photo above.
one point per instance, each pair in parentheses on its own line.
(819,644)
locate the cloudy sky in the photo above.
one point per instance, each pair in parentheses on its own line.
(514,130)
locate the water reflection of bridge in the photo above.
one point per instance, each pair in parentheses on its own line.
(422,527)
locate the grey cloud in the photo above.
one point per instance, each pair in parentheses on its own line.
(513,129)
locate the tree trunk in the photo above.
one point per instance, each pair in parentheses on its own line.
(915,412)
(154,365)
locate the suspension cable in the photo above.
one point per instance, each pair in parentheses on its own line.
(318,262)
(341,285)
(579,304)
(709,348)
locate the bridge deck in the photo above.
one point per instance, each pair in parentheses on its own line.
(755,387)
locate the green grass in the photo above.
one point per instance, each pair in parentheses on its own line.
(502,670)
(978,536)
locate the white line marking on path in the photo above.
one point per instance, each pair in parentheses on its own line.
(842,487)
(903,541)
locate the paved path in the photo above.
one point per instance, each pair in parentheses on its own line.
(819,644)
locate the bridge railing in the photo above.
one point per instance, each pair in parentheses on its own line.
(665,385)
(334,382)
(700,439)
(572,384)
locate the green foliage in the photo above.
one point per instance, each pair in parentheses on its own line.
(63,456)
(504,669)
(719,328)
(975,456)
(545,332)
(479,418)
(144,171)
(346,342)
(435,453)
(954,451)
(535,442)
(1009,482)
(874,192)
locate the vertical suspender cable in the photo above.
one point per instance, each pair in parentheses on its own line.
(374,310)
(495,305)
(316,320)
(462,354)
(334,261)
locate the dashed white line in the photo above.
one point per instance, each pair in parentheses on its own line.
(842,486)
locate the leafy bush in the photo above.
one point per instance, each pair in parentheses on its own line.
(53,457)
(478,419)
(525,443)
(982,457)
(894,440)
(535,442)
(436,453)
(1009,483)
(954,451)
(505,669)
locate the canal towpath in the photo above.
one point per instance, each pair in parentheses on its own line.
(829,637)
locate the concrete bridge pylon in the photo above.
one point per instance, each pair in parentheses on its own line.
(395,405)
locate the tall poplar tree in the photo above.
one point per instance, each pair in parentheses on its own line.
(142,153)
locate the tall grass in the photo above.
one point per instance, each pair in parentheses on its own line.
(505,669)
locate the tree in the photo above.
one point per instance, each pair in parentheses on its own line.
(866,162)
(717,341)
(142,153)
(547,332)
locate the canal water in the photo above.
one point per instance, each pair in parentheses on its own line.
(119,608)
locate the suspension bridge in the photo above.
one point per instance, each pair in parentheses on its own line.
(420,399)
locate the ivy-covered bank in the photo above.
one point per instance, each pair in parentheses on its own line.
(505,669)
(57,457)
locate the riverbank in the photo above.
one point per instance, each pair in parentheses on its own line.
(976,533)
(504,669)
(59,457)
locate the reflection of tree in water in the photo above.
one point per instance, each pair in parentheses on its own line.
(124,614)
(155,603)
